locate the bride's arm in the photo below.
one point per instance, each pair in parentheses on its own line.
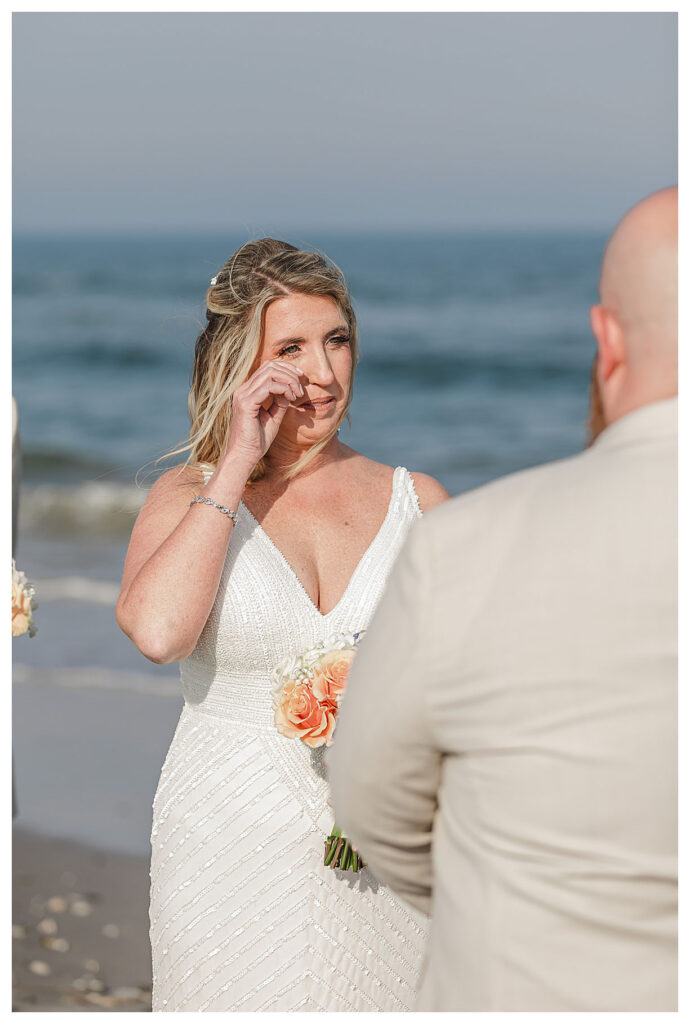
(177,551)
(175,559)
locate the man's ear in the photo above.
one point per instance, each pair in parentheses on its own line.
(609,338)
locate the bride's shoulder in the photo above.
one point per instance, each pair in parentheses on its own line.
(368,474)
(175,485)
(430,491)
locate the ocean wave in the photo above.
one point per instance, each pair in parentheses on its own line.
(104,355)
(463,368)
(93,509)
(95,677)
(77,588)
(37,460)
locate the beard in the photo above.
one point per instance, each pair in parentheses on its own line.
(597,420)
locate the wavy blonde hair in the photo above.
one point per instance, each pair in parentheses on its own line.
(227,349)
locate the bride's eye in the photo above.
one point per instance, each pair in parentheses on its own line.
(289,350)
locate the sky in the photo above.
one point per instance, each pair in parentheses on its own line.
(275,122)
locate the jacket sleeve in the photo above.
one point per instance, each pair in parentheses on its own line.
(383,767)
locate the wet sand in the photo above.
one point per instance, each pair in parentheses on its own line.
(89,742)
(79,927)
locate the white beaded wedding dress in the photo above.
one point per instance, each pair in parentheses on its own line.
(244,915)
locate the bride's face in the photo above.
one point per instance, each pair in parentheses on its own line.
(310,333)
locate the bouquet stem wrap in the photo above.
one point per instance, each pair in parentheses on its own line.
(340,853)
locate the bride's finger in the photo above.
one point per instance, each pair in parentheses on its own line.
(280,364)
(263,398)
(273,386)
(275,413)
(278,370)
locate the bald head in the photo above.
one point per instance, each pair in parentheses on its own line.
(639,272)
(636,323)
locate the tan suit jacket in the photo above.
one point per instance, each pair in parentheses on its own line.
(506,752)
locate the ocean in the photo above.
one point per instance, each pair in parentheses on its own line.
(475,358)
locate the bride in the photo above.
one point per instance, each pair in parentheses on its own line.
(289,548)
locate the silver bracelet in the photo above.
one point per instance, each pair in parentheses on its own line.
(222,508)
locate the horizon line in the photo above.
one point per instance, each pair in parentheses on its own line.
(113,231)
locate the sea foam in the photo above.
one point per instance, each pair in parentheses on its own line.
(94,508)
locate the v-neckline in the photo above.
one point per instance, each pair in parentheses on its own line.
(272,544)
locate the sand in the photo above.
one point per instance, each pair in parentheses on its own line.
(79,926)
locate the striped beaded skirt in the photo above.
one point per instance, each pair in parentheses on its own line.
(244,915)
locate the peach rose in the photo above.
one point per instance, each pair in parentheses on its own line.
(331,675)
(298,714)
(21,610)
(20,624)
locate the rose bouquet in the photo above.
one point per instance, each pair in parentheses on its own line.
(23,604)
(307,692)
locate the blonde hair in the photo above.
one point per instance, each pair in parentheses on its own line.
(227,349)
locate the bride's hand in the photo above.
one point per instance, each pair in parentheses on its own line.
(258,408)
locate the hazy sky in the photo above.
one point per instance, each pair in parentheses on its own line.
(267,122)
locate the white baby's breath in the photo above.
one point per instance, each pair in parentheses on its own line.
(300,667)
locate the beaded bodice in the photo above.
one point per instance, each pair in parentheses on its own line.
(262,614)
